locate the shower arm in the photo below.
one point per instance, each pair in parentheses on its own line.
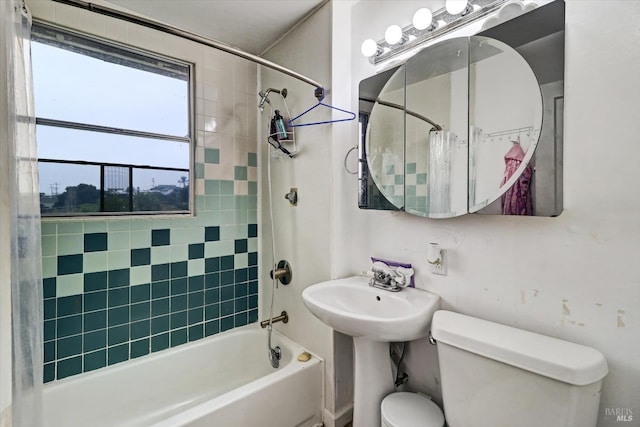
(169,29)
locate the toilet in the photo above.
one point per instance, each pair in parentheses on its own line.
(495,375)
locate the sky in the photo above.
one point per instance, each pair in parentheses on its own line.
(66,87)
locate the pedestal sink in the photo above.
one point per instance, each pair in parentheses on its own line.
(373,317)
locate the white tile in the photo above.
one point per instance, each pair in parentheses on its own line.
(179,253)
(195,267)
(69,284)
(140,275)
(241,260)
(119,259)
(95,261)
(160,254)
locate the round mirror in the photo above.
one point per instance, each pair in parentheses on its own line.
(505,119)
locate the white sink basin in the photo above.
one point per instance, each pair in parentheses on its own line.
(354,308)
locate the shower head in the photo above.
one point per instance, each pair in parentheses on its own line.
(264,97)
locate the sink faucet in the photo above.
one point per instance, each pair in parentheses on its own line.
(390,278)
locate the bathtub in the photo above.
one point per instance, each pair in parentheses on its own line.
(224,380)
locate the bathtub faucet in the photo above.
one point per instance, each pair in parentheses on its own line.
(284,318)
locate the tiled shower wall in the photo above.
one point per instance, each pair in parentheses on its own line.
(120,288)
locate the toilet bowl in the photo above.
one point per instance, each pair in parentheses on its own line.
(495,375)
(404,409)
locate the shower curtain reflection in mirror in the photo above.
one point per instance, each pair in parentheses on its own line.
(441,145)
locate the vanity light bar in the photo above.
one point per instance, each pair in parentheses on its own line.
(444,24)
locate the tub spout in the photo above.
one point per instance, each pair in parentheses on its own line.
(284,318)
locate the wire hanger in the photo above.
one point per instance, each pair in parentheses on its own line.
(319,93)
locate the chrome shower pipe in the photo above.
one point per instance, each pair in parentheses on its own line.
(170,29)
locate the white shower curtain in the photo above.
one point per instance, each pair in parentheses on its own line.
(18,138)
(441,144)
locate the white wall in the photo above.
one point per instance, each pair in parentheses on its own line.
(575,277)
(302,232)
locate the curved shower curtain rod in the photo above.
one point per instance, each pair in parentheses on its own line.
(169,29)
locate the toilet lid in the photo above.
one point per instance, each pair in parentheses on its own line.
(404,409)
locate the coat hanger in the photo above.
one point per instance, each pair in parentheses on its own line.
(319,94)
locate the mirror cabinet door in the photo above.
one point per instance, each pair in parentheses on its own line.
(505,115)
(436,130)
(381,148)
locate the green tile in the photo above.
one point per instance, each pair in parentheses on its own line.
(119,240)
(118,278)
(211,186)
(118,354)
(119,259)
(240,173)
(252,216)
(178,336)
(96,281)
(241,202)
(140,257)
(252,159)
(196,250)
(69,346)
(69,264)
(140,348)
(252,202)
(241,217)
(94,242)
(141,238)
(95,360)
(70,227)
(212,203)
(94,340)
(212,155)
(161,237)
(95,261)
(160,342)
(70,284)
(227,202)
(421,178)
(226,187)
(118,334)
(411,168)
(49,245)
(67,367)
(48,228)
(199,170)
(69,244)
(253,188)
(199,203)
(95,226)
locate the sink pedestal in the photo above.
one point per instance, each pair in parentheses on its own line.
(373,380)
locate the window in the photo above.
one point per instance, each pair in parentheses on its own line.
(113,127)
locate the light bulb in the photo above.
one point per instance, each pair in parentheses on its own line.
(422,19)
(369,48)
(393,35)
(456,7)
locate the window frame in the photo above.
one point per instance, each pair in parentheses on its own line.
(137,51)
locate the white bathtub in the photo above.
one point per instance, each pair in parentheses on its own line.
(221,381)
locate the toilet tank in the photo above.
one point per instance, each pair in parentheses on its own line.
(495,375)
